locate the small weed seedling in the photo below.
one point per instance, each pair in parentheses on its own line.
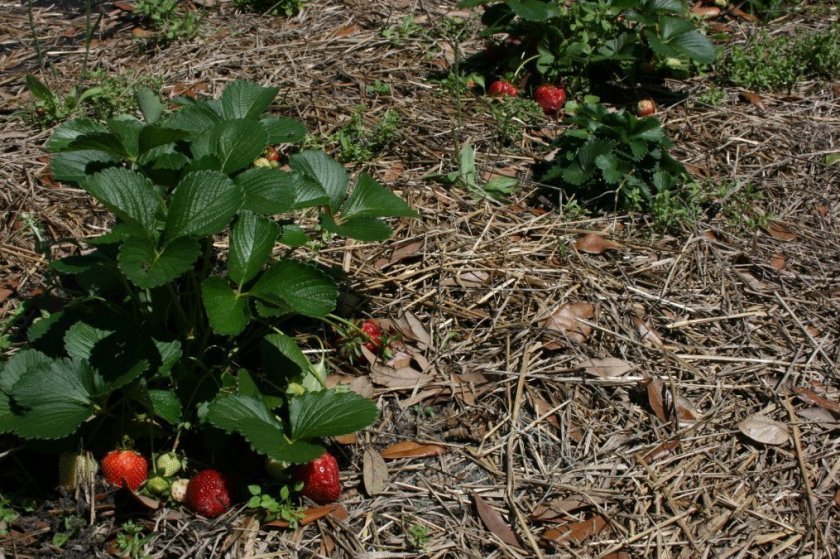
(171,20)
(466,176)
(360,145)
(419,534)
(271,508)
(131,542)
(513,115)
(49,107)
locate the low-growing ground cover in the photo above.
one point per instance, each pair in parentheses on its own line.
(553,377)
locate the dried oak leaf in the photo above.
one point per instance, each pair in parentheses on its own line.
(663,404)
(777,262)
(762,429)
(754,99)
(577,532)
(649,335)
(310,515)
(411,449)
(557,511)
(374,472)
(494,521)
(780,231)
(567,321)
(814,398)
(608,367)
(594,243)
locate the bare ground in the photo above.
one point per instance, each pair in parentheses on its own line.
(642,456)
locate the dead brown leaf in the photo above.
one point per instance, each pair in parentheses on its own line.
(401,252)
(577,532)
(404,378)
(124,6)
(814,398)
(780,231)
(4,294)
(411,449)
(566,321)
(608,367)
(649,335)
(312,514)
(494,521)
(148,502)
(762,429)
(660,451)
(655,391)
(705,11)
(558,511)
(374,472)
(664,405)
(754,99)
(541,408)
(349,438)
(820,416)
(347,30)
(837,498)
(593,243)
(777,262)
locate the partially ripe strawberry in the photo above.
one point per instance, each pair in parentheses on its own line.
(209,493)
(374,335)
(320,479)
(551,98)
(501,88)
(272,154)
(178,489)
(645,107)
(125,468)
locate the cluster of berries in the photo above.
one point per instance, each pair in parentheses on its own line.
(210,492)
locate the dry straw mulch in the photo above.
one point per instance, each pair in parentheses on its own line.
(667,396)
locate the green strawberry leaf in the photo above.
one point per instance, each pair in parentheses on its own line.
(80,339)
(227,310)
(362,229)
(268,191)
(147,267)
(68,132)
(327,172)
(252,238)
(249,416)
(281,357)
(329,413)
(150,104)
(166,405)
(284,130)
(56,399)
(370,199)
(302,287)
(237,143)
(76,166)
(242,99)
(21,363)
(202,204)
(128,194)
(127,129)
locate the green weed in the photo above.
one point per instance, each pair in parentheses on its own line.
(358,144)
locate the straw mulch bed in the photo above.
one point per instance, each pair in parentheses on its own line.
(644,455)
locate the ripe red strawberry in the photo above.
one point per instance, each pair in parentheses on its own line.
(374,335)
(320,479)
(125,468)
(551,98)
(209,493)
(272,154)
(645,107)
(501,88)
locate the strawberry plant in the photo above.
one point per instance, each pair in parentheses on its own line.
(594,40)
(615,158)
(160,328)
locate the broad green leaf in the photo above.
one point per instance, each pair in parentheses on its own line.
(328,413)
(363,229)
(155,136)
(166,405)
(67,132)
(9,420)
(147,267)
(237,143)
(170,353)
(23,362)
(284,130)
(248,416)
(245,384)
(534,10)
(269,191)
(122,356)
(37,88)
(196,119)
(281,356)
(80,339)
(302,287)
(696,46)
(127,129)
(56,399)
(252,238)
(149,103)
(128,194)
(106,142)
(293,235)
(328,173)
(202,204)
(244,99)
(227,310)
(370,199)
(75,166)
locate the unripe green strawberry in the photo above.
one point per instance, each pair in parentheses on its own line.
(262,162)
(157,485)
(178,489)
(276,469)
(168,464)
